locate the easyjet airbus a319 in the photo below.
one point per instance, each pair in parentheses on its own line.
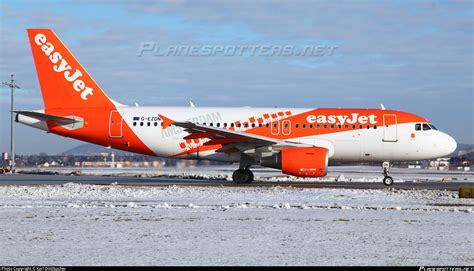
(299,141)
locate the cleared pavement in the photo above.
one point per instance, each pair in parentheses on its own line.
(45,179)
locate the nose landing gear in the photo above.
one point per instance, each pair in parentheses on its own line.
(387,179)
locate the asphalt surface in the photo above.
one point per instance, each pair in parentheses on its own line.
(46,179)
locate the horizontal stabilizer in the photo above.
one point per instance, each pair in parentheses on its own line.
(47,117)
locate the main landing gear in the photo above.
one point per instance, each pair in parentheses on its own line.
(243,175)
(387,179)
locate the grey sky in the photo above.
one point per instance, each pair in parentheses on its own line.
(414,56)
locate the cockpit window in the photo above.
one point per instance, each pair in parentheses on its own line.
(425,126)
(433,127)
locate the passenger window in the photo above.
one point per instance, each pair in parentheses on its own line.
(148,124)
(325,126)
(375,126)
(134,123)
(339,126)
(232,125)
(318,126)
(304,125)
(156,124)
(297,125)
(253,125)
(260,125)
(332,126)
(426,127)
(211,124)
(141,123)
(311,126)
(218,124)
(418,127)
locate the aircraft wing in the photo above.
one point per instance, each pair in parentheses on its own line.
(229,139)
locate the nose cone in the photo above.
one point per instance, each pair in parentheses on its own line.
(448,144)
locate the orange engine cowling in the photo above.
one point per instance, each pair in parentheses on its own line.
(301,162)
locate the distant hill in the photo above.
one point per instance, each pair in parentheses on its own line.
(91,149)
(465,150)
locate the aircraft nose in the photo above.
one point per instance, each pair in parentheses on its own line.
(448,144)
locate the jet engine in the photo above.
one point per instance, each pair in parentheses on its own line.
(301,162)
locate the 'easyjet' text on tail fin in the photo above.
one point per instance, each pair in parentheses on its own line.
(64,82)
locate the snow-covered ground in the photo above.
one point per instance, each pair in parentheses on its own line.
(77,224)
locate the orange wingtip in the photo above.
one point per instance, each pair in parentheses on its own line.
(166,121)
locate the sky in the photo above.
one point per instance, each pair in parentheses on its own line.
(414,56)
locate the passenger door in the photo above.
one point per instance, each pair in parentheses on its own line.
(115,124)
(390,132)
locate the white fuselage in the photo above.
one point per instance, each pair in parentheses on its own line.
(349,146)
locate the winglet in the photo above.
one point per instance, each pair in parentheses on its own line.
(166,121)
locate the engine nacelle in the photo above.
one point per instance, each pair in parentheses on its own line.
(301,162)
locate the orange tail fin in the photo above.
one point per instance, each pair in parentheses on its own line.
(64,82)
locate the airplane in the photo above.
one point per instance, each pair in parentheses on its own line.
(298,141)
